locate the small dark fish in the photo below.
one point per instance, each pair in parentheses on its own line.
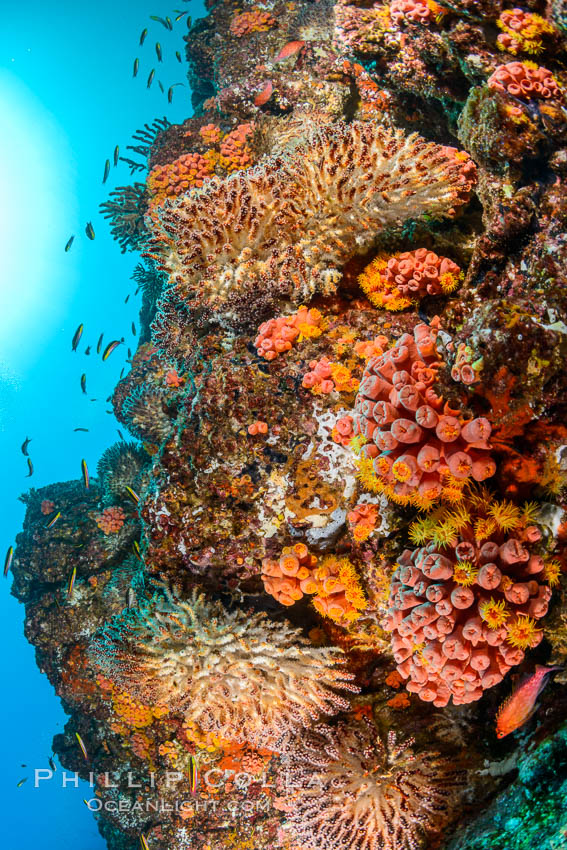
(69,243)
(133,495)
(180,15)
(136,66)
(8,560)
(27,441)
(143,36)
(120,434)
(89,230)
(126,299)
(168,22)
(116,152)
(161,88)
(151,77)
(82,746)
(189,22)
(80,429)
(120,376)
(30,467)
(71,584)
(133,328)
(159,54)
(178,54)
(85,471)
(170,95)
(129,354)
(93,399)
(53,520)
(193,774)
(52,764)
(88,350)
(106,171)
(77,337)
(21,782)
(109,349)
(99,344)
(84,383)
(159,20)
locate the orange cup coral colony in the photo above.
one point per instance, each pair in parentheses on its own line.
(249,22)
(526,81)
(111,520)
(395,282)
(463,607)
(418,449)
(277,336)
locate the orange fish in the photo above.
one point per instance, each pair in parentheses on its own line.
(290,49)
(520,705)
(264,96)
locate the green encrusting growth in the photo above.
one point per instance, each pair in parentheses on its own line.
(530,813)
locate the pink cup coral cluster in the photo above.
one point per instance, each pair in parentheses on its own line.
(526,81)
(234,151)
(47,507)
(249,22)
(333,582)
(362,521)
(418,450)
(396,282)
(463,608)
(417,11)
(342,432)
(522,31)
(111,520)
(277,336)
(467,367)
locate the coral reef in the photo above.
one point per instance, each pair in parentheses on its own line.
(342,515)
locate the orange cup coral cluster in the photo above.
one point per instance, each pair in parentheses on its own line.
(342,432)
(111,520)
(210,134)
(333,583)
(234,151)
(465,368)
(463,608)
(47,507)
(362,521)
(419,450)
(526,81)
(395,282)
(277,336)
(325,377)
(522,31)
(254,21)
(174,178)
(417,11)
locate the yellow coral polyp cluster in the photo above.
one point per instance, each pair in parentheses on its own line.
(362,521)
(129,710)
(175,178)
(253,21)
(207,741)
(235,154)
(522,32)
(210,134)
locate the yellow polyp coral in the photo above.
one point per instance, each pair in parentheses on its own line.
(522,32)
(464,573)
(506,515)
(522,632)
(235,153)
(493,613)
(169,749)
(174,178)
(339,593)
(552,572)
(208,741)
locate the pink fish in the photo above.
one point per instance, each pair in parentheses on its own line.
(290,49)
(264,96)
(520,705)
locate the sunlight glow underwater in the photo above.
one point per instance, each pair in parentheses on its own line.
(36,200)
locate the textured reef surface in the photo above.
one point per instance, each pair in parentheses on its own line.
(286,614)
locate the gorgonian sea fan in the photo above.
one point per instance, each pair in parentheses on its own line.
(236,674)
(350,789)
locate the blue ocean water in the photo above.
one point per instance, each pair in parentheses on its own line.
(67,97)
